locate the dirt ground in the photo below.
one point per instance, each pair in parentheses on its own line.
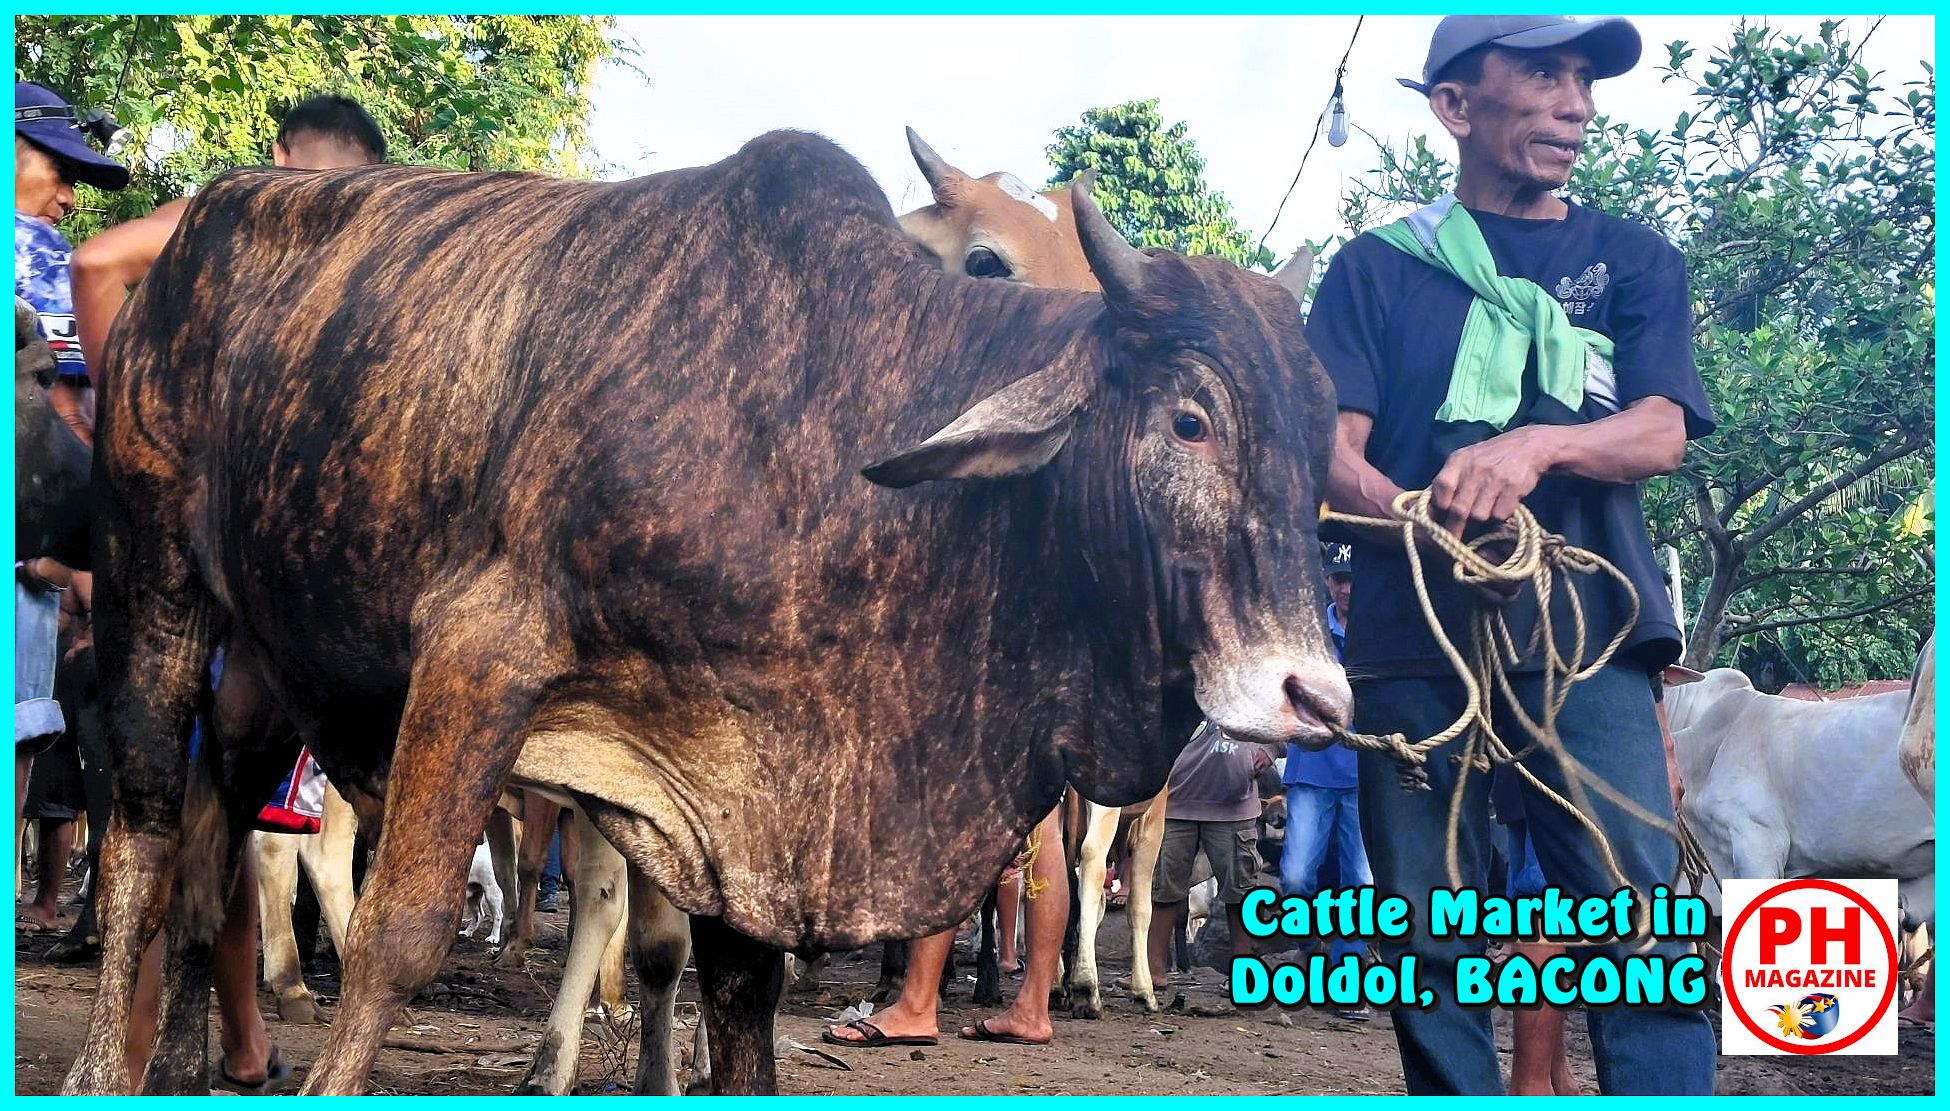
(474,1030)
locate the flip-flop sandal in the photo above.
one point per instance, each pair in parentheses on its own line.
(871,1035)
(980,1032)
(275,1071)
(30,925)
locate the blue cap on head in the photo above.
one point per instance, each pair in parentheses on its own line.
(52,124)
(1612,43)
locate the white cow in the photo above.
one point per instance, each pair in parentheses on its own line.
(327,860)
(1778,788)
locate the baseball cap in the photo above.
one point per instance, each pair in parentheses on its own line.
(1612,42)
(1336,558)
(50,123)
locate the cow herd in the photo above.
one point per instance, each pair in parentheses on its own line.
(753,526)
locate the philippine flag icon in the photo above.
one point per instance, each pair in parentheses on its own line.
(1814,1016)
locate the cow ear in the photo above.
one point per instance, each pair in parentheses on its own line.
(1677,675)
(1011,432)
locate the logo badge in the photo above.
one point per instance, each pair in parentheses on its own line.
(1809,967)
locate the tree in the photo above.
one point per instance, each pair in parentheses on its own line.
(200,94)
(1151,183)
(1803,194)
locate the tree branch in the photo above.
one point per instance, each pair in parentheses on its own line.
(1756,580)
(1896,450)
(1906,596)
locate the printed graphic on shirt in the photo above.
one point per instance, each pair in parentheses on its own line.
(41,260)
(1580,297)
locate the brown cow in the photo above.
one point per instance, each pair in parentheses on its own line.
(559,481)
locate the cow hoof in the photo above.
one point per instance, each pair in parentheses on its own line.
(1087,1008)
(512,956)
(300,1010)
(1148,1002)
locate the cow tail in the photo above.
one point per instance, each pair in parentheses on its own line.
(200,875)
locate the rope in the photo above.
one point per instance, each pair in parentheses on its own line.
(1539,559)
(1031,886)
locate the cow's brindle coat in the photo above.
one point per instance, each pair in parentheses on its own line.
(562,481)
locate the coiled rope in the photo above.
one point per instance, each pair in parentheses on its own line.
(1545,562)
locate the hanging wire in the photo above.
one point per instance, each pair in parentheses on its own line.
(1339,74)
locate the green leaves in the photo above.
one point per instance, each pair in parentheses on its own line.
(470,92)
(1151,183)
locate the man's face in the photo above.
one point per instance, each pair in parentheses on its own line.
(1524,121)
(1340,587)
(42,188)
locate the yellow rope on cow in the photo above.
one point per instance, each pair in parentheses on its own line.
(1031,886)
(1539,559)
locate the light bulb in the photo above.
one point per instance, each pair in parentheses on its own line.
(1337,124)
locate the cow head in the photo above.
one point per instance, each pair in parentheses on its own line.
(996,227)
(1198,456)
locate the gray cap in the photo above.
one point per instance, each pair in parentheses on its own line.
(1612,43)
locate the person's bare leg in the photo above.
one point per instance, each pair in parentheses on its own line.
(57,841)
(1164,923)
(23,771)
(143,1010)
(913,1014)
(1922,1009)
(1008,903)
(1537,1063)
(246,1048)
(1049,916)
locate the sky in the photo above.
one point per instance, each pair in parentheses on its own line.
(988,92)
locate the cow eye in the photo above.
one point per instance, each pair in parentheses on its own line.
(983,263)
(1188,426)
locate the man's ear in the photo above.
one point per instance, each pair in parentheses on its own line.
(1011,432)
(1449,101)
(280,157)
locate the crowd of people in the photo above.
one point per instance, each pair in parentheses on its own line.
(1502,346)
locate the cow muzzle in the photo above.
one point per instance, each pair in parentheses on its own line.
(1278,699)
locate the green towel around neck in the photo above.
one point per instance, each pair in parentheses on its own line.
(1507,318)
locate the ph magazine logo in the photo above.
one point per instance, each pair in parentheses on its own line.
(1809,967)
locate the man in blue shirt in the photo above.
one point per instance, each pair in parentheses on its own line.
(1323,808)
(1389,324)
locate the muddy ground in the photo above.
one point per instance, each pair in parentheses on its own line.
(474,1030)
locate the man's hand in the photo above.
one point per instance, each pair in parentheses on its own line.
(1483,484)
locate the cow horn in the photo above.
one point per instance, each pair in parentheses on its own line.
(933,167)
(1298,271)
(1119,267)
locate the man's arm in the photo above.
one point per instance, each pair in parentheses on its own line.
(1353,484)
(1482,483)
(108,266)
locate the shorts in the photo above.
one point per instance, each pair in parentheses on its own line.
(54,789)
(37,625)
(1231,848)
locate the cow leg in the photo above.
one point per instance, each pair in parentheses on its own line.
(539,817)
(277,888)
(504,841)
(660,945)
(598,893)
(154,643)
(1085,992)
(327,857)
(988,966)
(1147,837)
(612,981)
(739,981)
(473,693)
(893,972)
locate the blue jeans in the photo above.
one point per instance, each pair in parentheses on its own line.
(37,621)
(551,880)
(1608,726)
(1319,819)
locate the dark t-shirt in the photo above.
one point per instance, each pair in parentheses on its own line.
(1386,326)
